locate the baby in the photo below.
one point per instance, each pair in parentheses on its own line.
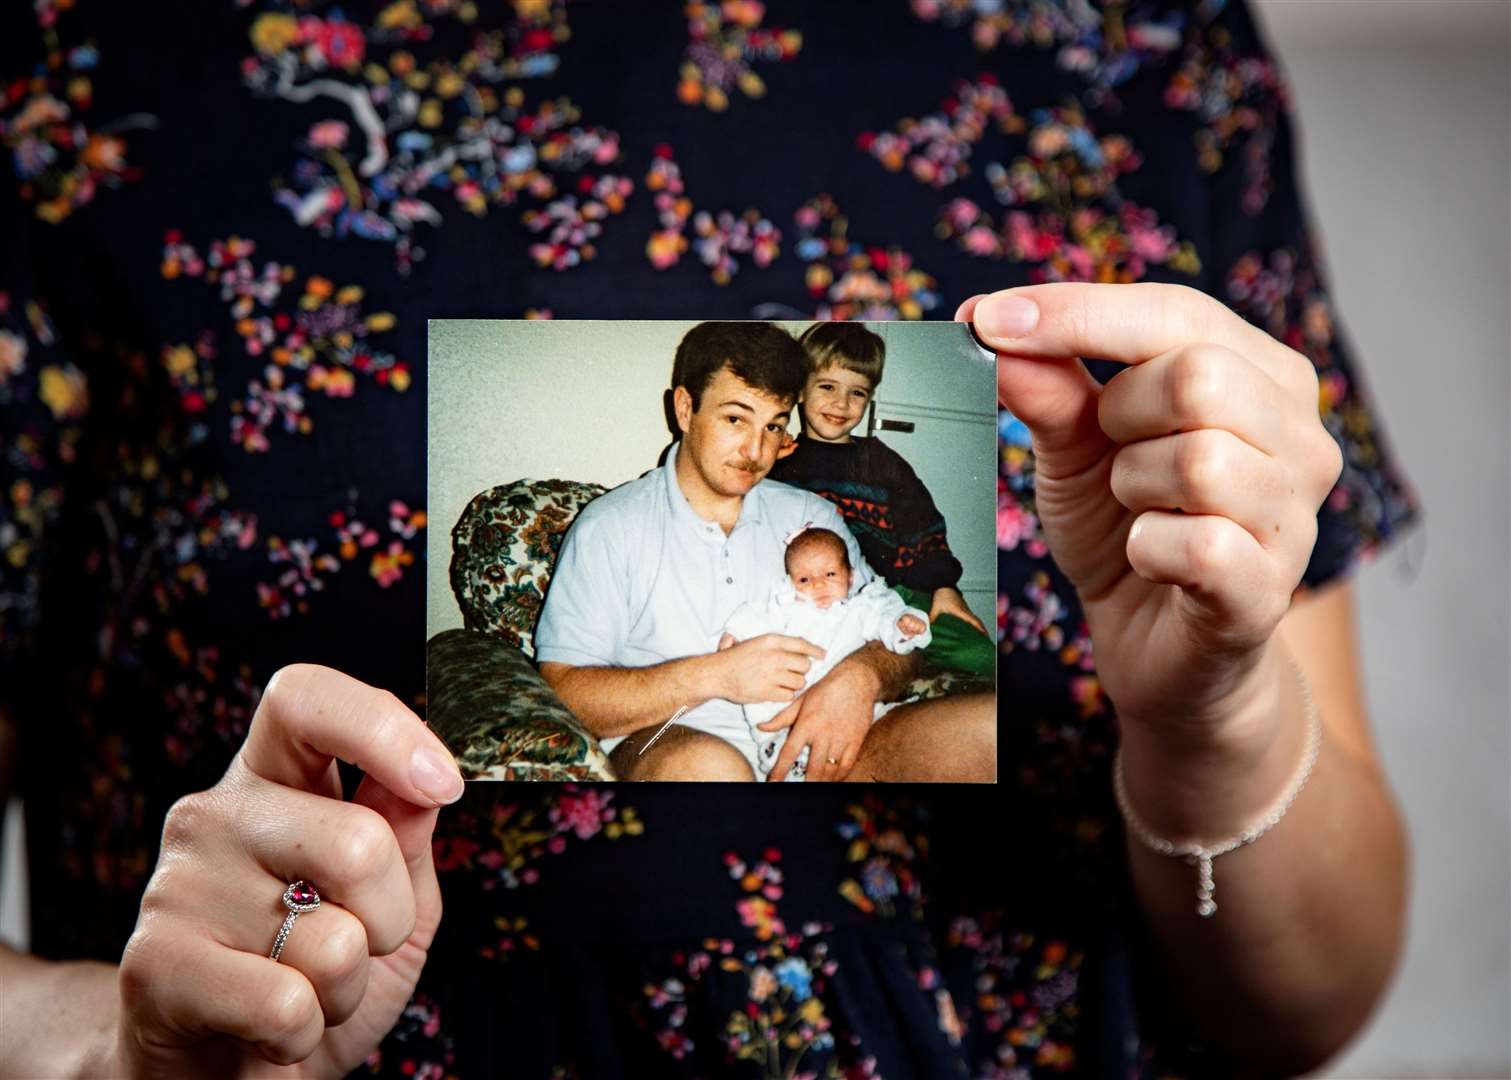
(812,601)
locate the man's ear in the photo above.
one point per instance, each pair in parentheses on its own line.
(682,406)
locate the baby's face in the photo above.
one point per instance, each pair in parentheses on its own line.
(820,575)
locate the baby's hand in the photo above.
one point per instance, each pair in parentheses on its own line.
(910,625)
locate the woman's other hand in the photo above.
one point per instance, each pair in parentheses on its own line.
(199,994)
(1180,499)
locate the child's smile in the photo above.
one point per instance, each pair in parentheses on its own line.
(834,401)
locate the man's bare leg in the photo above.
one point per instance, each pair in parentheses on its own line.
(942,739)
(680,754)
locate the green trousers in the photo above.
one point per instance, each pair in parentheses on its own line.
(957,645)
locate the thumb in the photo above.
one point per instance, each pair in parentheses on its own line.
(1055,397)
(786,718)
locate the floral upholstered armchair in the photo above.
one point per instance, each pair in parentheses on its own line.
(486,699)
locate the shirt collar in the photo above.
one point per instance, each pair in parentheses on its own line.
(752,507)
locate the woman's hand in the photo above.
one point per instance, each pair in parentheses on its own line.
(199,995)
(1181,499)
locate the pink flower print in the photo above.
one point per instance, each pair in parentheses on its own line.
(1014,524)
(582,812)
(760,915)
(329,135)
(387,567)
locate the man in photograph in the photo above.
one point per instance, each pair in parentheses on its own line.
(650,572)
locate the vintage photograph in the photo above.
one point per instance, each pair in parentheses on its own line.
(712,550)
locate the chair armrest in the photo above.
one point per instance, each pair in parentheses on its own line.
(500,719)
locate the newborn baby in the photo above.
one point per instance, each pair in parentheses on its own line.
(812,601)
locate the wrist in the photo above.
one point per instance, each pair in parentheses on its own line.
(701,678)
(1207,779)
(861,675)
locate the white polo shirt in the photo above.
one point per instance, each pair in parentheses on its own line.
(642,579)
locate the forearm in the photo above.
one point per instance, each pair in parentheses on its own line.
(614,701)
(1309,919)
(59,1019)
(892,673)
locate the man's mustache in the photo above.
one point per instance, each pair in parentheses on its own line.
(748,466)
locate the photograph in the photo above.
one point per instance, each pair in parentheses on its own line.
(655,577)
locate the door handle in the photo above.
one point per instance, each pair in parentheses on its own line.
(904,426)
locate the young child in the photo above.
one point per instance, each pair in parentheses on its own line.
(900,531)
(812,601)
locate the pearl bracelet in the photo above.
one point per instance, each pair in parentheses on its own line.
(1201,855)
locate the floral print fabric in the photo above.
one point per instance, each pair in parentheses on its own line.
(225,228)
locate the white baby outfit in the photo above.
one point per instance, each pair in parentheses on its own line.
(844,626)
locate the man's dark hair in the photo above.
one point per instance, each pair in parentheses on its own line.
(763,356)
(814,537)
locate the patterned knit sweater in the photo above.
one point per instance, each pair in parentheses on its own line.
(886,506)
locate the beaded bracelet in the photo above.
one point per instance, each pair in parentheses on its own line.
(1201,855)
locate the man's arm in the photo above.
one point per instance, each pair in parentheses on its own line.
(614,701)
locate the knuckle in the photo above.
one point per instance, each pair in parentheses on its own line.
(1331,460)
(342,951)
(284,1014)
(138,969)
(1209,549)
(186,819)
(1198,387)
(1200,463)
(364,848)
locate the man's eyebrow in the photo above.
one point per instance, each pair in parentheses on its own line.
(785,414)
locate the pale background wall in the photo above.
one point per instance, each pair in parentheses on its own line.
(1406,133)
(1407,139)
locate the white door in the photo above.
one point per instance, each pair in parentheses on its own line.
(937,407)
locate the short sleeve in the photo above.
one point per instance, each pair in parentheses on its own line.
(584,619)
(1267,265)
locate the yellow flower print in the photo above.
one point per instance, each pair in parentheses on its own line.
(65,391)
(273,33)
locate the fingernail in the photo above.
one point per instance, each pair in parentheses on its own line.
(436,776)
(1007,316)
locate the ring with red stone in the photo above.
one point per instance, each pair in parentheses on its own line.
(298,898)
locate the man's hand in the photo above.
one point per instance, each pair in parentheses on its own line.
(833,717)
(948,601)
(911,625)
(771,667)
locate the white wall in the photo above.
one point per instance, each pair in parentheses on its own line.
(1406,131)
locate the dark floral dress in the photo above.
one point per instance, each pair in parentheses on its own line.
(225,225)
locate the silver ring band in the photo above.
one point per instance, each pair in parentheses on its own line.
(299,897)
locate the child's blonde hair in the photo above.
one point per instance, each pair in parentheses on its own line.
(846,345)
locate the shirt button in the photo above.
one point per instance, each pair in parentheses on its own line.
(729,581)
